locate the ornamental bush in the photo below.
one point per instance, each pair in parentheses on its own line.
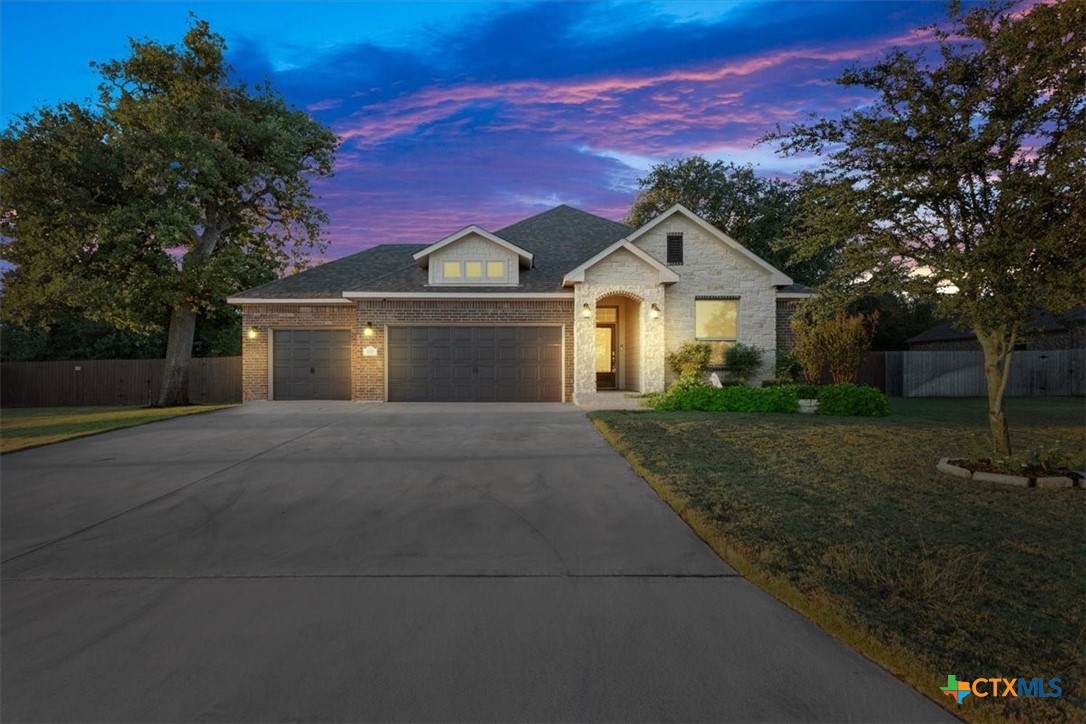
(850,399)
(741,361)
(843,399)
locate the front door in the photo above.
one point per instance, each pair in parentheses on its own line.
(606,377)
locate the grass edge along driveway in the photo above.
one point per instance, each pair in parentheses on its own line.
(846,521)
(30,427)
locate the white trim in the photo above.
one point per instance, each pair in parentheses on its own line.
(665,274)
(287,300)
(777,277)
(525,256)
(796,295)
(457,295)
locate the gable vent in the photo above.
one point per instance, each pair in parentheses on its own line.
(674,249)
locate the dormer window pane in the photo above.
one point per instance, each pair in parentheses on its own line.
(451,270)
(495,270)
(474,269)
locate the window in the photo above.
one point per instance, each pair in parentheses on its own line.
(716,321)
(473,269)
(495,270)
(451,270)
(674,249)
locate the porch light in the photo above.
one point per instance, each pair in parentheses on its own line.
(253,333)
(368,331)
(654,311)
(586,311)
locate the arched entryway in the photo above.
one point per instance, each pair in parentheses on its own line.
(618,342)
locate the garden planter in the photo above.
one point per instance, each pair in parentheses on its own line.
(957,468)
(808,407)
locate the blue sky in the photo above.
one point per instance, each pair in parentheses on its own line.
(455,113)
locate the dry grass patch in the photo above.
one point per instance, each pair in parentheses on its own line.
(846,520)
(23,428)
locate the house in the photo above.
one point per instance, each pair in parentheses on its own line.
(553,308)
(1044,332)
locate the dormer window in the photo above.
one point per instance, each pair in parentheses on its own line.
(674,249)
(473,269)
(495,270)
(451,270)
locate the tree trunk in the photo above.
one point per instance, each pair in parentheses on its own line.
(998,348)
(175,381)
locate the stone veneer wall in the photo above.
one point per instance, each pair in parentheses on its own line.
(266,317)
(624,275)
(711,268)
(392,312)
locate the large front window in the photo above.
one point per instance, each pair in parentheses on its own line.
(716,321)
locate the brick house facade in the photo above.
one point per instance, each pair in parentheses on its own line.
(553,308)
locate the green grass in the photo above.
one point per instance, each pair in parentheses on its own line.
(847,521)
(22,428)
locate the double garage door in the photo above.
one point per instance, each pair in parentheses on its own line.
(474,364)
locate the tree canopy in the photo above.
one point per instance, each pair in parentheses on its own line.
(961,182)
(179,187)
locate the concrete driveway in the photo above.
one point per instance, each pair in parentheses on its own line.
(350,562)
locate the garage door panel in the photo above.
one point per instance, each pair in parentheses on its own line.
(482,364)
(311,364)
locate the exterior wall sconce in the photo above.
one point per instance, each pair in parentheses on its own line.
(586,311)
(253,333)
(368,331)
(654,311)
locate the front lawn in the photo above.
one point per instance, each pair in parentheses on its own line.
(21,428)
(846,520)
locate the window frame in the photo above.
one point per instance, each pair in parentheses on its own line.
(713,341)
(467,270)
(447,264)
(501,263)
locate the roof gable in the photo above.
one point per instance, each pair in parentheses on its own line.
(664,274)
(524,256)
(776,276)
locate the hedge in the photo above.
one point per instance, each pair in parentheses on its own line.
(842,399)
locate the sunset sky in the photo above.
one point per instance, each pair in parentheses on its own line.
(456,113)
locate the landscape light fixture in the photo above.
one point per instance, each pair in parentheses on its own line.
(586,311)
(654,311)
(368,331)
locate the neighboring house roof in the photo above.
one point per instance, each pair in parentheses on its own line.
(795,291)
(525,256)
(1041,322)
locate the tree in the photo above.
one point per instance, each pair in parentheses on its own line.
(159,202)
(755,211)
(960,183)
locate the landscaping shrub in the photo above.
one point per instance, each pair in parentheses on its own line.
(741,361)
(788,368)
(731,398)
(843,399)
(850,399)
(838,343)
(691,359)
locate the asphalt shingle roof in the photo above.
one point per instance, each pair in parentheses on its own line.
(1040,322)
(561,239)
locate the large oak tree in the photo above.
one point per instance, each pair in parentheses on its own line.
(161,200)
(962,181)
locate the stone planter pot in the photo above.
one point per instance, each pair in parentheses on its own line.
(808,407)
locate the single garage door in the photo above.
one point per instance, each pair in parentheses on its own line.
(475,364)
(311,364)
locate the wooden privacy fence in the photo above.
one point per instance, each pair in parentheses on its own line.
(1034,373)
(113,382)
